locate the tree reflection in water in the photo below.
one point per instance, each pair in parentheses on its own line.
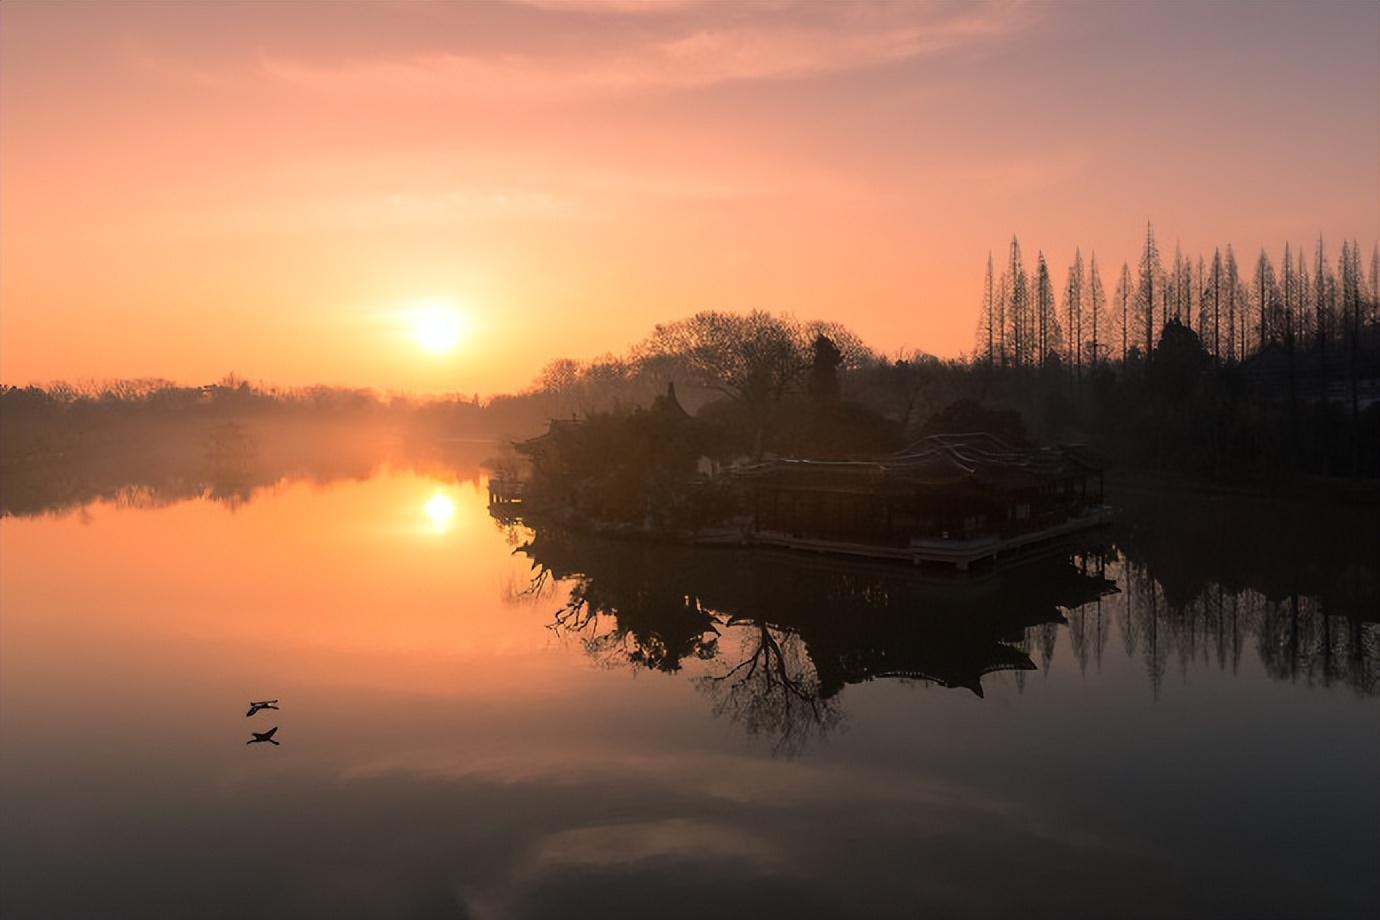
(778,637)
(774,689)
(775,638)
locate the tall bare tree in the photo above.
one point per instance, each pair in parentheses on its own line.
(1073,311)
(1018,305)
(1212,293)
(1200,303)
(1232,282)
(1304,286)
(1267,300)
(1046,317)
(1375,284)
(1097,309)
(1148,286)
(1122,312)
(1286,284)
(987,325)
(1321,326)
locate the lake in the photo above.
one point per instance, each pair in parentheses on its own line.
(485,719)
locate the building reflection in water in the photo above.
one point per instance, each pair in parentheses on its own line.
(772,639)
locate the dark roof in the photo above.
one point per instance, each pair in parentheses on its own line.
(936,461)
(543,441)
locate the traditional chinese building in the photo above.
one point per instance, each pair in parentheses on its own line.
(952,499)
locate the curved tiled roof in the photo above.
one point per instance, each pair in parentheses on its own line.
(938,460)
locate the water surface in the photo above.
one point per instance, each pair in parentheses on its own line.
(483,719)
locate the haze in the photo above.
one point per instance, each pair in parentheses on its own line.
(266,188)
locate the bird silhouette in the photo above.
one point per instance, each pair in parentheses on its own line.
(263,736)
(262,704)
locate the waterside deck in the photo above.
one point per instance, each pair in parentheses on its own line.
(956,554)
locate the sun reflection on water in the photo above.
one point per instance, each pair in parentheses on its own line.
(440,510)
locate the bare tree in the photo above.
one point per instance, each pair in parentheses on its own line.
(1303,322)
(1212,293)
(1321,326)
(1232,282)
(774,690)
(1267,299)
(1097,309)
(1047,320)
(987,328)
(1178,284)
(1150,272)
(558,380)
(1198,290)
(1018,305)
(1287,282)
(1073,310)
(754,358)
(1122,314)
(1375,284)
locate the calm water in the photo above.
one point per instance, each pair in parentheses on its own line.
(479,720)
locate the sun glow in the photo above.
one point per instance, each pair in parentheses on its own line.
(437,326)
(439,509)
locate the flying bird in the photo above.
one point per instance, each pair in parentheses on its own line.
(263,736)
(262,704)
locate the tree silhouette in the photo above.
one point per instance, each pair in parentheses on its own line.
(1147,285)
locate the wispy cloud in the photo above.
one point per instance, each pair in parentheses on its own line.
(687,51)
(383,211)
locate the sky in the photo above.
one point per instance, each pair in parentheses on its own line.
(277,190)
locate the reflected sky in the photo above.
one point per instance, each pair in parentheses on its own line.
(445,753)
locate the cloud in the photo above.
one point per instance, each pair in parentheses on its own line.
(702,46)
(381,211)
(629,842)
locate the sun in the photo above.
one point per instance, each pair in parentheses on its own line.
(436,326)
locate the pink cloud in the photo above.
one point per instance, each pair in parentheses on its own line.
(678,53)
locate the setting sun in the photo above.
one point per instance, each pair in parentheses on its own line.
(531,458)
(436,326)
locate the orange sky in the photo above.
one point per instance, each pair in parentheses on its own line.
(192,189)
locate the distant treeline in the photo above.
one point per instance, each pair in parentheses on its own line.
(48,423)
(1190,369)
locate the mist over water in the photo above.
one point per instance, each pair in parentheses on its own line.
(494,718)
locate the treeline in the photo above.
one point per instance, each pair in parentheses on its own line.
(1307,304)
(1194,368)
(1197,364)
(48,423)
